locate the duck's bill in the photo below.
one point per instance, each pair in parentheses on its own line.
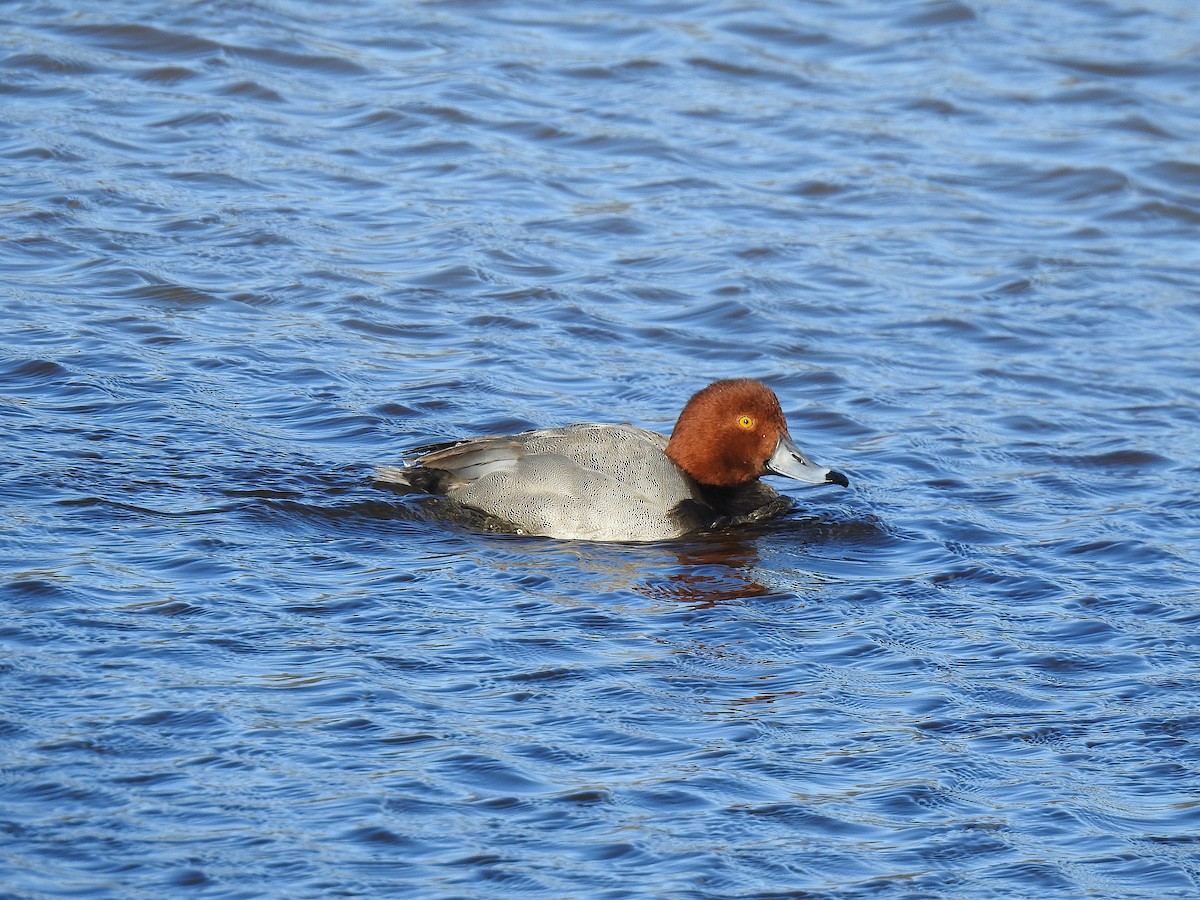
(788,461)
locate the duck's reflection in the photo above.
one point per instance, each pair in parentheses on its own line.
(708,571)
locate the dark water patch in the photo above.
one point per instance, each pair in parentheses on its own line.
(946,12)
(1158,211)
(740,70)
(1176,173)
(46,65)
(628,70)
(168,76)
(38,591)
(325,64)
(172,293)
(140,39)
(18,372)
(1142,126)
(1126,462)
(1108,68)
(1064,185)
(194,119)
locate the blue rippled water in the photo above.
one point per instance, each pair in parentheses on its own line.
(250,250)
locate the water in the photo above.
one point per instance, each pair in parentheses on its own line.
(251,250)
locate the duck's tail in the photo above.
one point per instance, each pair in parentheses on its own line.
(393,475)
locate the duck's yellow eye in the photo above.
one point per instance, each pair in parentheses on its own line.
(746,422)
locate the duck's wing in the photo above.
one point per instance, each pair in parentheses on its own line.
(589,445)
(434,468)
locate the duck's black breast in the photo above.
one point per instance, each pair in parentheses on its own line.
(724,507)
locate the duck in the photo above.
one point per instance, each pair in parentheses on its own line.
(618,482)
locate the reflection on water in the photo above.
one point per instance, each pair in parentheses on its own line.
(250,252)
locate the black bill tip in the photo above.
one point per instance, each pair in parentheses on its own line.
(837,478)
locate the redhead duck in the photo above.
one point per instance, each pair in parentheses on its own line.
(622,483)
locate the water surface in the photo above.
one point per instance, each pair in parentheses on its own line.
(251,250)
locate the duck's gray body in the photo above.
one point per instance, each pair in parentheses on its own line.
(589,482)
